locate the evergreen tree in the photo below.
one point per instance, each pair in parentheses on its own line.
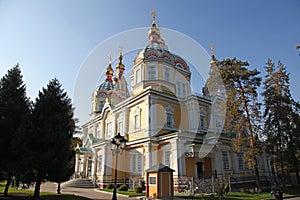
(47,145)
(242,115)
(13,106)
(281,120)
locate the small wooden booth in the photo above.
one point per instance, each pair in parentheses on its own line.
(159,182)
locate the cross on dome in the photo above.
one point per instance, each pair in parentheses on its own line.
(153,17)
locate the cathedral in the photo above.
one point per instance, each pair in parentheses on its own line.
(162,119)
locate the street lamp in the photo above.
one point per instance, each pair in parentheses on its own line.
(118,144)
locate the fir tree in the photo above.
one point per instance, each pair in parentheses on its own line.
(281,120)
(13,106)
(47,146)
(242,115)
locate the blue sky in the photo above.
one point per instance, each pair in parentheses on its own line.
(53,38)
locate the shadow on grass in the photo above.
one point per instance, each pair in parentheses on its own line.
(20,196)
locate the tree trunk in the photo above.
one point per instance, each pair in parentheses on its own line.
(297,170)
(7,184)
(37,188)
(58,188)
(256,175)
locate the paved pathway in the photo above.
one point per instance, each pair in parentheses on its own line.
(84,192)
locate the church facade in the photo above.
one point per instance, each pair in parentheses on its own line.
(162,119)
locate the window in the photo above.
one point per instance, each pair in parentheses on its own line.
(241,161)
(99,131)
(120,127)
(138,76)
(152,180)
(101,105)
(167,158)
(109,130)
(152,71)
(100,164)
(136,162)
(181,89)
(137,118)
(169,111)
(225,160)
(167,74)
(203,122)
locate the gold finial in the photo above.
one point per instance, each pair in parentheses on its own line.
(153,16)
(212,49)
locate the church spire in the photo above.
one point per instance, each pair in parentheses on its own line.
(154,32)
(213,58)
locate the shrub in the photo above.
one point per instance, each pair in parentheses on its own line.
(138,189)
(110,186)
(123,188)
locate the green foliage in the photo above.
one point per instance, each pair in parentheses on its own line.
(222,187)
(138,189)
(45,140)
(243,108)
(110,186)
(123,187)
(282,118)
(14,106)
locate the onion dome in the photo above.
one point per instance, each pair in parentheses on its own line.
(109,70)
(120,65)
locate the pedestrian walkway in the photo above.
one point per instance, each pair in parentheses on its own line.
(91,193)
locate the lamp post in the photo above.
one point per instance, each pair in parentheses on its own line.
(118,144)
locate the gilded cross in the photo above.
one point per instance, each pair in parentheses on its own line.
(153,16)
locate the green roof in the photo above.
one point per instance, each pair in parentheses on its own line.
(160,168)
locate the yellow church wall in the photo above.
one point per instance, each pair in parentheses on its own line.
(182,118)
(135,134)
(180,113)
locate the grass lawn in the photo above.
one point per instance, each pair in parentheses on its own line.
(28,195)
(129,193)
(241,195)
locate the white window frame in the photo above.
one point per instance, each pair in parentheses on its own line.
(241,163)
(226,165)
(136,162)
(167,158)
(152,71)
(138,75)
(137,119)
(203,119)
(181,89)
(167,73)
(100,162)
(166,154)
(169,112)
(109,130)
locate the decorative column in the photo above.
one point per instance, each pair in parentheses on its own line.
(94,166)
(178,157)
(77,163)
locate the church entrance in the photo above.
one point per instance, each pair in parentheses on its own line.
(199,170)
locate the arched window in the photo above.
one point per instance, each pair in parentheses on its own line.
(169,111)
(137,118)
(152,71)
(203,119)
